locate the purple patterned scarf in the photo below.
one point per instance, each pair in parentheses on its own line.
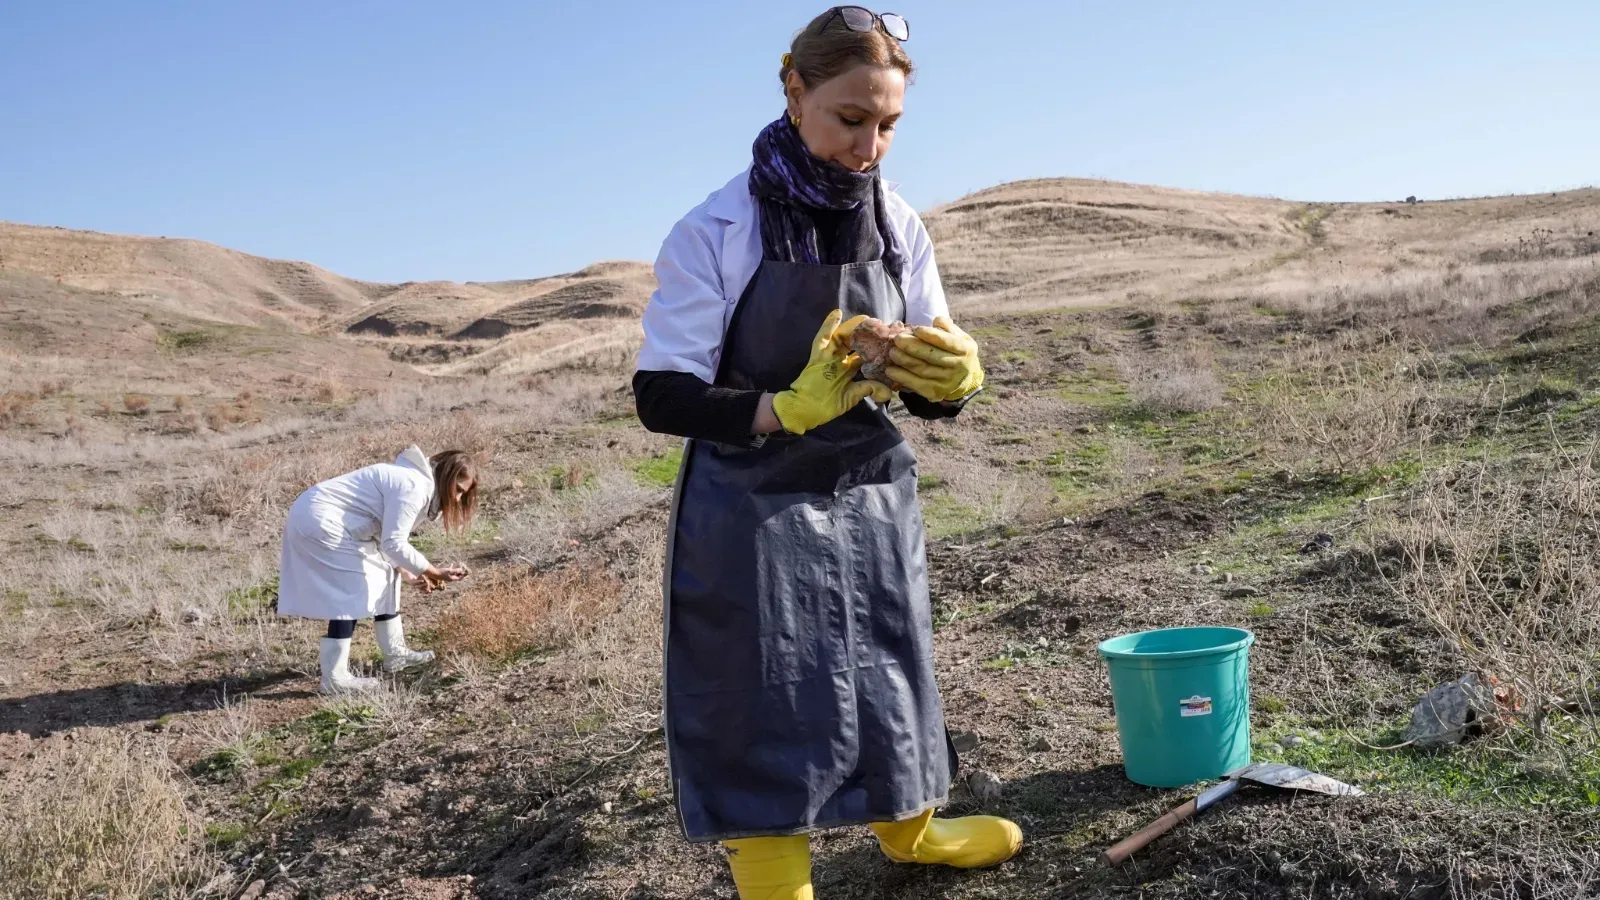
(816,211)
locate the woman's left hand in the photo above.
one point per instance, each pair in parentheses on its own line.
(939,362)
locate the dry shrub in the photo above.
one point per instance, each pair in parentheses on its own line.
(513,612)
(180,403)
(545,529)
(327,391)
(15,407)
(105,406)
(1503,564)
(1186,382)
(259,486)
(1348,414)
(103,819)
(138,404)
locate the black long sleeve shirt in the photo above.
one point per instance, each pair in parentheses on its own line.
(682,404)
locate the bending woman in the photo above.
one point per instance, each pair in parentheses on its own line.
(800,688)
(347,547)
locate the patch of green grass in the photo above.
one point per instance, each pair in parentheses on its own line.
(257,598)
(930,482)
(944,516)
(1271,704)
(566,476)
(183,341)
(1482,773)
(1016,356)
(1259,609)
(660,470)
(224,835)
(1093,388)
(298,769)
(223,764)
(1310,221)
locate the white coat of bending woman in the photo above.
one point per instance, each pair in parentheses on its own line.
(347,548)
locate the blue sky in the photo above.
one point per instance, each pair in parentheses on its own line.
(478,141)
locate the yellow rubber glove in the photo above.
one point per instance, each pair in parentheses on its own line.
(826,389)
(939,362)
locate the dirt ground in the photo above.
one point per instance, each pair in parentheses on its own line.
(1250,459)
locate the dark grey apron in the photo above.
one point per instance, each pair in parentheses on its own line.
(799,637)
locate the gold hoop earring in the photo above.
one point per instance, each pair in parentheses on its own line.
(795,121)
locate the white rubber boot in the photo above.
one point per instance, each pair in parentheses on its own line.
(397,656)
(336,677)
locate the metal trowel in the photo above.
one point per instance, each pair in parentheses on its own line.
(1274,775)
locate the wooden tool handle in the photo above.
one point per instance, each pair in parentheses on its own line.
(1136,842)
(1133,844)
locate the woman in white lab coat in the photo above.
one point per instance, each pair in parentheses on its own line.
(800,690)
(347,548)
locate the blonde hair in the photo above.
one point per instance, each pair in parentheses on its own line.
(827,48)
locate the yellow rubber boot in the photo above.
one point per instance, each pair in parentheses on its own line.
(771,868)
(970,842)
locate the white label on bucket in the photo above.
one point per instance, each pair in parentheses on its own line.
(1194,706)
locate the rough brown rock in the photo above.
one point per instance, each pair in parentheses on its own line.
(873,340)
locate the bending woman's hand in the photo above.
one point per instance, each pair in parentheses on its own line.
(939,363)
(435,578)
(827,388)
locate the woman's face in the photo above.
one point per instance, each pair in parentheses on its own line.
(849,119)
(463,484)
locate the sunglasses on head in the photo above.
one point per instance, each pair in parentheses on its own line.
(859,18)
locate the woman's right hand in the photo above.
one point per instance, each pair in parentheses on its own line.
(436,578)
(827,388)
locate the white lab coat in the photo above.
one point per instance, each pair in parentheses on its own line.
(711,255)
(346,539)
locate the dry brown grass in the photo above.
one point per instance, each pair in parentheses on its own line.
(102,819)
(16,406)
(1341,414)
(137,404)
(1443,304)
(1183,382)
(327,391)
(1502,562)
(511,612)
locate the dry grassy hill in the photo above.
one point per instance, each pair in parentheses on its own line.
(1363,431)
(104,332)
(1051,243)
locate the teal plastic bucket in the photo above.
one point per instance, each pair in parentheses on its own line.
(1182,697)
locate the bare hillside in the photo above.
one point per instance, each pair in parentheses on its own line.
(1070,242)
(191,278)
(118,314)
